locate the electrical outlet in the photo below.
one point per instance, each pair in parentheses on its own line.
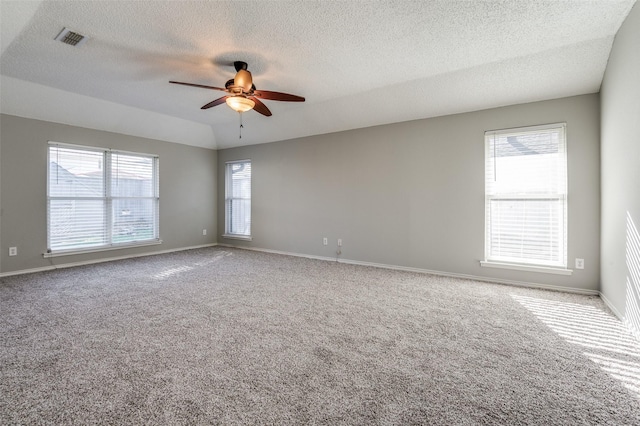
(325,241)
(339,242)
(13,251)
(579,263)
(204,232)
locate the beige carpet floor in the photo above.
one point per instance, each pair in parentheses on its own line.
(227,336)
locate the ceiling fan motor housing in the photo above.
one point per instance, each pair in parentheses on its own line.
(244,80)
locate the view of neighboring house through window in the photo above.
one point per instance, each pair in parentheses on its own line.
(526,196)
(238,199)
(99,198)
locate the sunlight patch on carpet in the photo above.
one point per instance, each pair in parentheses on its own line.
(607,342)
(171,271)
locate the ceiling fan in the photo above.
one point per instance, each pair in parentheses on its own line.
(242,93)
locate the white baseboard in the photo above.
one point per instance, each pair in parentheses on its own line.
(27,271)
(426,271)
(328,259)
(622,318)
(611,306)
(102,260)
(285,253)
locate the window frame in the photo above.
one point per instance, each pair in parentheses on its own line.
(531,264)
(108,199)
(229,198)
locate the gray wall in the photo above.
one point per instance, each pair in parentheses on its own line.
(187,190)
(620,249)
(412,194)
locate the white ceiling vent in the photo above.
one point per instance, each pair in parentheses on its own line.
(71,37)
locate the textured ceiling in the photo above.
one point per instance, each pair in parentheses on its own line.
(358,63)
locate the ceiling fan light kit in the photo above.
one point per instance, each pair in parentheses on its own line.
(240,103)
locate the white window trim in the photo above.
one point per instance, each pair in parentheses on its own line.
(107,176)
(71,252)
(238,237)
(522,266)
(526,267)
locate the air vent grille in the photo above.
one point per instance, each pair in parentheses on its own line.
(71,37)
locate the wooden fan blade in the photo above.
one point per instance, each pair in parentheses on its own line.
(199,85)
(216,102)
(260,107)
(277,96)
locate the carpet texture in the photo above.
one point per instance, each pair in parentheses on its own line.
(226,336)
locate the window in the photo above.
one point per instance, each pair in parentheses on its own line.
(238,199)
(526,196)
(100,199)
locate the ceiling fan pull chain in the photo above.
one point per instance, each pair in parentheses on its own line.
(241,126)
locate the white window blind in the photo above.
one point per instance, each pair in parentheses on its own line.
(100,198)
(134,197)
(526,196)
(238,198)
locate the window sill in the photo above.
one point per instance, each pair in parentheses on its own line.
(238,237)
(528,268)
(99,249)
